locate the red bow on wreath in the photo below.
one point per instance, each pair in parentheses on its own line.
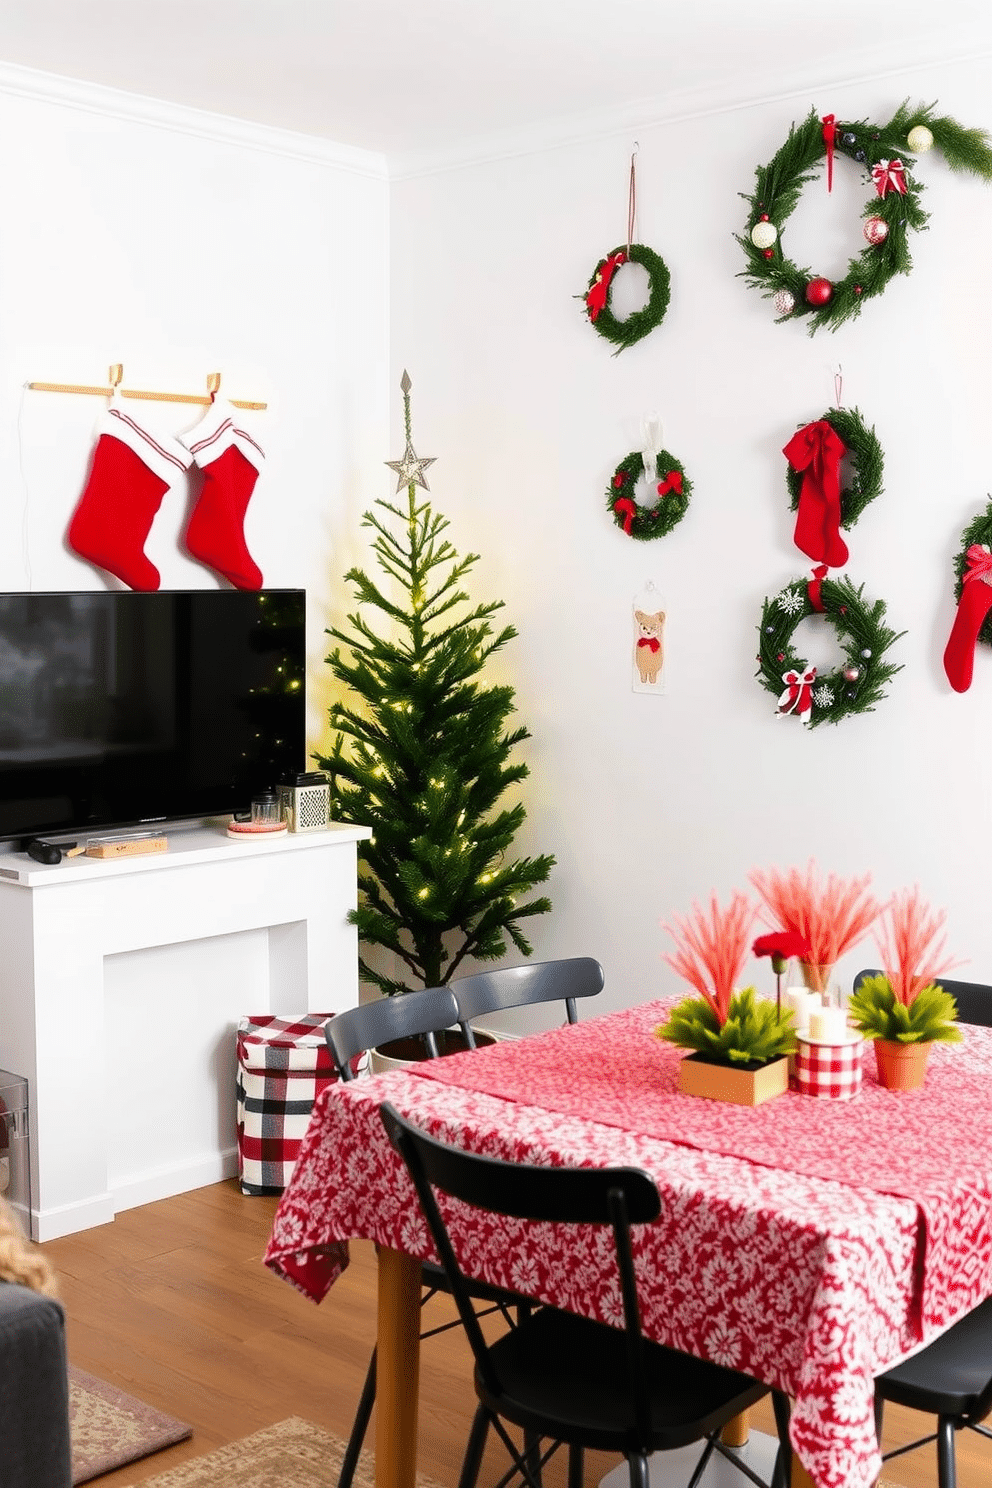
(798,695)
(596,296)
(889,175)
(672,482)
(626,508)
(817,451)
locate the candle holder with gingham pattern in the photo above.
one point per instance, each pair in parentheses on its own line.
(828,1070)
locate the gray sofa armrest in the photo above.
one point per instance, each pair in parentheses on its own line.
(34,1391)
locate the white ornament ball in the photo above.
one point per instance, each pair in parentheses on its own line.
(784,302)
(876,230)
(919,139)
(764,234)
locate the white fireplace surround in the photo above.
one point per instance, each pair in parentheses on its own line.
(121,983)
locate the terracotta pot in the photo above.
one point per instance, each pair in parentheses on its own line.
(901,1066)
(816,978)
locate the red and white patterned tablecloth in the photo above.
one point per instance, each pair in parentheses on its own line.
(811,1283)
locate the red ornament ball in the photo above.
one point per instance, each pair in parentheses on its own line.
(819,292)
(876,230)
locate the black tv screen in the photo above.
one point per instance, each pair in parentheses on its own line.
(118,709)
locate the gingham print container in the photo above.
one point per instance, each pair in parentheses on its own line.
(283,1065)
(829,1070)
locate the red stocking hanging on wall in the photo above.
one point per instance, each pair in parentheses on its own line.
(230,460)
(131,472)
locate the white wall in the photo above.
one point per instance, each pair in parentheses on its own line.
(650,803)
(180,244)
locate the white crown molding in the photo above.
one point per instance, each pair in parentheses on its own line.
(962,46)
(134,108)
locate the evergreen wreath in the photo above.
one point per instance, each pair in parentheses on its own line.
(884,151)
(597,297)
(853,687)
(657,520)
(867,464)
(977,532)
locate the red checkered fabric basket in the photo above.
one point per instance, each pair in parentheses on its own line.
(283,1065)
(830,1070)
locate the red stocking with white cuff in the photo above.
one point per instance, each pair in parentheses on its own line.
(973,606)
(131,472)
(230,460)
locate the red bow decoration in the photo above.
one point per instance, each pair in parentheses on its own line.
(813,588)
(979,560)
(798,695)
(672,482)
(817,450)
(626,508)
(596,297)
(829,131)
(652,643)
(889,175)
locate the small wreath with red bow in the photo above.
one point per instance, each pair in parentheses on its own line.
(644,522)
(858,683)
(597,297)
(866,464)
(885,152)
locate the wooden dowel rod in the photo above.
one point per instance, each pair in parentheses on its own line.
(107,392)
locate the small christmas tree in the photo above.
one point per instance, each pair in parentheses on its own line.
(424,759)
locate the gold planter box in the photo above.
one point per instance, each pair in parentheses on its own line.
(726,1082)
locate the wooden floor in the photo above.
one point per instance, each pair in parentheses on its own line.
(171,1302)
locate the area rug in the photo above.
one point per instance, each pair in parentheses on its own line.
(291,1454)
(110,1429)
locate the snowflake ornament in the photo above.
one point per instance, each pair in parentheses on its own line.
(790,601)
(823,697)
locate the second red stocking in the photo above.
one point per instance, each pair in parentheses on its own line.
(230,460)
(973,606)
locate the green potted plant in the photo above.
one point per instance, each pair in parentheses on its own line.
(424,754)
(739,1044)
(904,1009)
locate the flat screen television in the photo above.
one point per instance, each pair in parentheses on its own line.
(121,709)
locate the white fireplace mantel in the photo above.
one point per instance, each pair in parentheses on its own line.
(285,900)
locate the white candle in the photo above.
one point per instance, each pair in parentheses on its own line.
(801,1002)
(829,1025)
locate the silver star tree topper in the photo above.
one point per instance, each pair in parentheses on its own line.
(410,469)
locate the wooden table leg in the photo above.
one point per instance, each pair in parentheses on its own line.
(800,1477)
(398,1372)
(736,1431)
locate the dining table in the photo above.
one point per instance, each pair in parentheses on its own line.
(809,1242)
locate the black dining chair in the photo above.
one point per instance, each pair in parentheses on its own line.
(952,1377)
(519,986)
(560,1377)
(416,1015)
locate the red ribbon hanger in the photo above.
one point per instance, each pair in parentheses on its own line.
(829,133)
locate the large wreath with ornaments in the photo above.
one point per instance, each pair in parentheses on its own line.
(885,152)
(597,297)
(660,515)
(858,683)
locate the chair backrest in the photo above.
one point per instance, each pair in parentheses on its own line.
(517,986)
(407,1015)
(974,999)
(617,1197)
